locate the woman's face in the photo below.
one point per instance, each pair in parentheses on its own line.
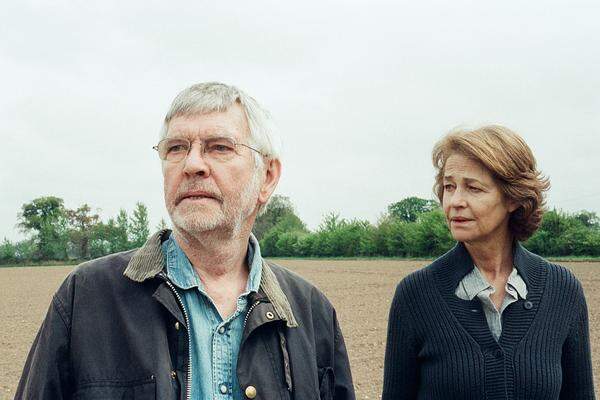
(475,208)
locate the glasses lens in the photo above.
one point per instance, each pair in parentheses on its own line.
(221,149)
(173,149)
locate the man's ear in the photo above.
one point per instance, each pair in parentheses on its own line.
(272,172)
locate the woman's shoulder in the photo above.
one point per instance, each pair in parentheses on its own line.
(564,278)
(558,278)
(418,282)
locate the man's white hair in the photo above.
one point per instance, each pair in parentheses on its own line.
(208,97)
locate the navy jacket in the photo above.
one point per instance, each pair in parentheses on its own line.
(440,346)
(116,330)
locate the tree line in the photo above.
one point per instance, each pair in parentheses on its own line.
(412,227)
(57,233)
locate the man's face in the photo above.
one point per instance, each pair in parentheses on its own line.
(202,194)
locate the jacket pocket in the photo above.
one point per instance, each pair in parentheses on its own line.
(144,389)
(326,383)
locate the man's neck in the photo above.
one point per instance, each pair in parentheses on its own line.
(214,254)
(220,262)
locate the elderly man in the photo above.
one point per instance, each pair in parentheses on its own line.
(195,313)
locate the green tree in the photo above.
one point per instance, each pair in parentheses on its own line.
(590,246)
(279,208)
(339,237)
(120,232)
(112,236)
(410,208)
(139,226)
(588,218)
(352,238)
(100,239)
(554,235)
(82,225)
(287,243)
(324,244)
(8,252)
(289,223)
(26,250)
(46,218)
(429,236)
(306,245)
(390,237)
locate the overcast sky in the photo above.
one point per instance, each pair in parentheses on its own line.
(360,92)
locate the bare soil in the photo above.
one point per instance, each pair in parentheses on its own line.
(361,291)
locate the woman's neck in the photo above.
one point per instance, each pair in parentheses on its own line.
(493,257)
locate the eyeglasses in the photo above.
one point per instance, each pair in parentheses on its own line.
(218,149)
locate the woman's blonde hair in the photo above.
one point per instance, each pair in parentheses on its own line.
(512,164)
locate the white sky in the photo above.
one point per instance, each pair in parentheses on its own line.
(360,91)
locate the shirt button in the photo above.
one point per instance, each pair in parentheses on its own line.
(221,330)
(250,392)
(176,326)
(498,353)
(173,375)
(528,305)
(223,389)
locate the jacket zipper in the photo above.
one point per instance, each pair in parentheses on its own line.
(188,386)
(248,313)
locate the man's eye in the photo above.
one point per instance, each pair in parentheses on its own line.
(448,186)
(220,148)
(177,148)
(474,189)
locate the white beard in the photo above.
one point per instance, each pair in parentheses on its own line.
(229,215)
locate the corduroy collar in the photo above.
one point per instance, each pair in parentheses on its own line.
(148,261)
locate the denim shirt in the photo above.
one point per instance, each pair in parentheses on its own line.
(215,342)
(474,285)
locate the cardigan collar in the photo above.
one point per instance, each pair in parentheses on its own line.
(462,264)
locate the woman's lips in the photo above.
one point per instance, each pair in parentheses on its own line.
(460,221)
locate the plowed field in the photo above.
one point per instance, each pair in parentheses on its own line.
(360,290)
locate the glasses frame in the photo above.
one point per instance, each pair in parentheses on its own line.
(202,144)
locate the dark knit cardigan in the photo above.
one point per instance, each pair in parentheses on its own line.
(440,347)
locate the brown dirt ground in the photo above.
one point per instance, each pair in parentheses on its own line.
(361,291)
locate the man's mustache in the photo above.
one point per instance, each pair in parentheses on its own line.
(197,191)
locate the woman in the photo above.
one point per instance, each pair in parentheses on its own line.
(489,319)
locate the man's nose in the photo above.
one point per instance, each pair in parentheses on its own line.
(195,161)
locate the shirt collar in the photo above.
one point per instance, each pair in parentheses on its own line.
(148,262)
(515,280)
(181,272)
(474,283)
